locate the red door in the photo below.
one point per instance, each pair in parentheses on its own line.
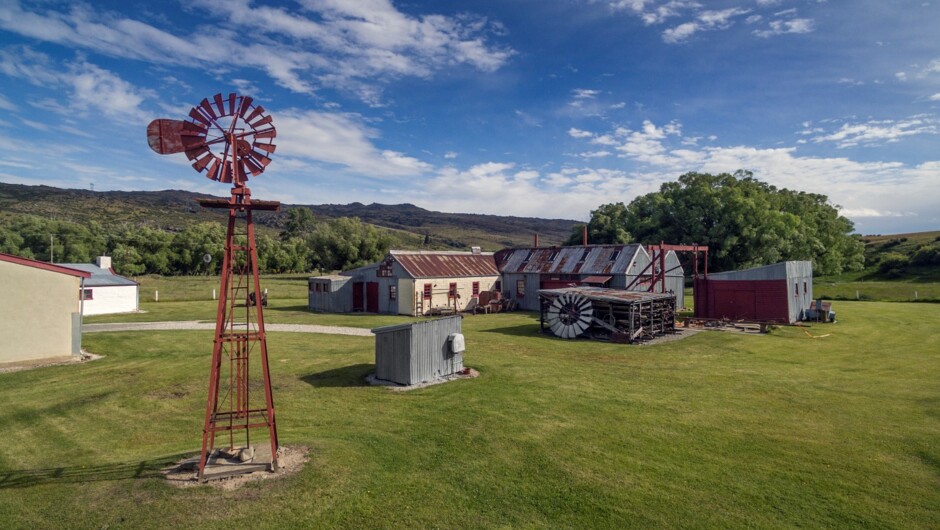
(358,304)
(372,297)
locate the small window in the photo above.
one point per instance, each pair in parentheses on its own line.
(384,270)
(498,286)
(452,291)
(427,291)
(614,255)
(527,257)
(804,288)
(476,288)
(87,294)
(553,255)
(392,292)
(796,289)
(584,254)
(520,287)
(326,287)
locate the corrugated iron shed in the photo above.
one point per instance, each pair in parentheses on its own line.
(417,352)
(591,259)
(446,264)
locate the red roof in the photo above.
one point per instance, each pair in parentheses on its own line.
(43,265)
(446,264)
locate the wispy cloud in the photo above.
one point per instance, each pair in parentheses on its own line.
(348,45)
(873,132)
(344,140)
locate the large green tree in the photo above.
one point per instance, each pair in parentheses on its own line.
(608,225)
(745,222)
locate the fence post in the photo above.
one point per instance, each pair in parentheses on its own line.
(856,294)
(156,296)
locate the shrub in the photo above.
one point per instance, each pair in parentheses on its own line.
(892,264)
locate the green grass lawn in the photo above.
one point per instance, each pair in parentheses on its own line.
(715,430)
(179,288)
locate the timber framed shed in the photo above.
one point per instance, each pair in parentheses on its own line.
(41,312)
(781,292)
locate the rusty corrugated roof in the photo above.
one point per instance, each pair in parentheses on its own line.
(591,259)
(606,295)
(446,264)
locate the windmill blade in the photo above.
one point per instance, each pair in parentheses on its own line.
(244,106)
(196,152)
(213,172)
(268,148)
(263,121)
(163,136)
(225,173)
(201,164)
(219,104)
(259,110)
(193,129)
(197,116)
(254,168)
(260,158)
(231,103)
(266,133)
(207,108)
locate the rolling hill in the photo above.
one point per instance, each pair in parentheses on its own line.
(174,209)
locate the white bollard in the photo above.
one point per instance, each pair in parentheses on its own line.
(915,295)
(156,296)
(856,294)
(213,294)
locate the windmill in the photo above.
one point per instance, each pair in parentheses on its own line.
(229,138)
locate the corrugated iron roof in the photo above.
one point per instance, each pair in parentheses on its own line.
(446,264)
(606,295)
(62,269)
(591,259)
(99,277)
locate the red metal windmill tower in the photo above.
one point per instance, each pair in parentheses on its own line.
(228,138)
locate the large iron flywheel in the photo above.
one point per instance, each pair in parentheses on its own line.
(570,315)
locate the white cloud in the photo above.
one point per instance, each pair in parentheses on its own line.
(348,45)
(783,27)
(584,93)
(578,133)
(341,139)
(91,88)
(6,104)
(859,187)
(875,132)
(935,97)
(450,155)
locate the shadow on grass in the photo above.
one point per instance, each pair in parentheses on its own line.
(347,376)
(301,307)
(28,478)
(524,330)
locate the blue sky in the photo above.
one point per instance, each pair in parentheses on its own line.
(514,107)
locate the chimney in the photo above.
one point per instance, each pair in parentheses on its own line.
(103,261)
(584,234)
(475,250)
(536,244)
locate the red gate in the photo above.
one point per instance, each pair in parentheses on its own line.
(358,297)
(372,297)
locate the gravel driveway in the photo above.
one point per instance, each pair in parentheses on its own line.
(210,326)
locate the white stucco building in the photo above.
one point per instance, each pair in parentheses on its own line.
(106,292)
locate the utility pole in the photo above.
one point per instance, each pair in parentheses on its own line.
(51,248)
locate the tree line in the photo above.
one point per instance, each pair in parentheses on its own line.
(305,244)
(744,222)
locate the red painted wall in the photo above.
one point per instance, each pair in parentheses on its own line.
(765,300)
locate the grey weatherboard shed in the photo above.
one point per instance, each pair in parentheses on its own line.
(417,352)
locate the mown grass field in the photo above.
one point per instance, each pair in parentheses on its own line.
(715,430)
